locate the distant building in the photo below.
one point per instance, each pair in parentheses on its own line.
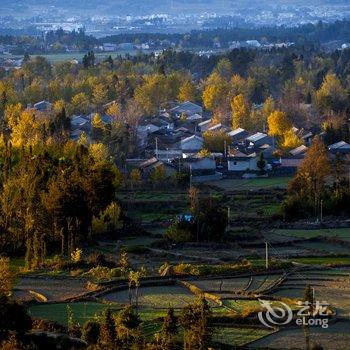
(126,46)
(109,47)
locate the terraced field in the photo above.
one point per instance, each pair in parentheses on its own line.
(341,233)
(332,286)
(230,285)
(155,297)
(336,336)
(59,312)
(238,336)
(54,289)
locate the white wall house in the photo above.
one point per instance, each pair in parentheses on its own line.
(243,163)
(200,166)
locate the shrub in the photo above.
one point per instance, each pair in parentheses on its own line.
(181,231)
(203,270)
(103,273)
(250,311)
(98,259)
(48,326)
(90,332)
(77,255)
(165,269)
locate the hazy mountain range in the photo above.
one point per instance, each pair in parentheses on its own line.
(143,7)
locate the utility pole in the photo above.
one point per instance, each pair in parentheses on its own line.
(266,256)
(157,147)
(228,216)
(190,176)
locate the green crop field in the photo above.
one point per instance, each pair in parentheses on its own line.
(341,233)
(59,312)
(252,184)
(323,261)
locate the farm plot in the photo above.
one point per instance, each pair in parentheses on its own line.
(259,283)
(275,237)
(221,285)
(286,251)
(325,247)
(238,336)
(59,312)
(155,297)
(331,286)
(54,288)
(252,184)
(336,336)
(341,233)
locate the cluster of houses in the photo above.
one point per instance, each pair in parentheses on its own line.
(176,137)
(174,140)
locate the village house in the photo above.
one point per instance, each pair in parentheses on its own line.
(79,122)
(188,108)
(299,151)
(217,127)
(340,147)
(147,167)
(238,135)
(204,126)
(200,166)
(83,124)
(192,144)
(43,106)
(239,162)
(259,139)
